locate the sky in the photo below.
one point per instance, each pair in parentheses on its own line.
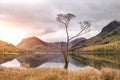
(26,18)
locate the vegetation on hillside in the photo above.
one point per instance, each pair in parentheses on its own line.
(108,40)
(110,47)
(8,48)
(100,55)
(101,50)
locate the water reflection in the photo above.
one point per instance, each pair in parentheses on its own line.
(12,63)
(42,60)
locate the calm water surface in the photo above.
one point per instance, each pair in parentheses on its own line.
(42,60)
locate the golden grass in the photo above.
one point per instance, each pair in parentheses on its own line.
(9,48)
(58,74)
(110,47)
(110,74)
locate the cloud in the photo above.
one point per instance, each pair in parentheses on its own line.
(38,17)
(28,17)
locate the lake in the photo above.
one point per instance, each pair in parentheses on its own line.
(43,60)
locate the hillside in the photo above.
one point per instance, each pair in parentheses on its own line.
(33,44)
(101,50)
(76,41)
(109,34)
(110,27)
(7,48)
(109,44)
(36,45)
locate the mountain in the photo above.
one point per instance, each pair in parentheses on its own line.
(36,45)
(33,44)
(58,46)
(7,48)
(110,27)
(76,41)
(108,35)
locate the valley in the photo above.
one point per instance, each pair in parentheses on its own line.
(59,40)
(98,53)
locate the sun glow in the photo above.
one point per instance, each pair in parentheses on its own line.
(11,35)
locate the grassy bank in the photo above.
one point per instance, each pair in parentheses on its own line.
(58,74)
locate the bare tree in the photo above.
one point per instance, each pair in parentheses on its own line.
(84,28)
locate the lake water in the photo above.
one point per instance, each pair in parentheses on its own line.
(43,60)
(12,63)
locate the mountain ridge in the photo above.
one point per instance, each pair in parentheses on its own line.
(111,26)
(35,44)
(109,33)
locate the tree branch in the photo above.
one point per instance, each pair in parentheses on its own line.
(77,34)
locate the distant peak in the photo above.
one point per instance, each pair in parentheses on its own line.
(34,37)
(110,27)
(31,38)
(115,22)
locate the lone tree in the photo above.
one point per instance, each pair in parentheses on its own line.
(84,28)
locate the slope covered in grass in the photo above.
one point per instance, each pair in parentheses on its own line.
(110,47)
(101,50)
(6,47)
(109,35)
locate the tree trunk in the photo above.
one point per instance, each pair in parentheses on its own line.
(66,64)
(66,56)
